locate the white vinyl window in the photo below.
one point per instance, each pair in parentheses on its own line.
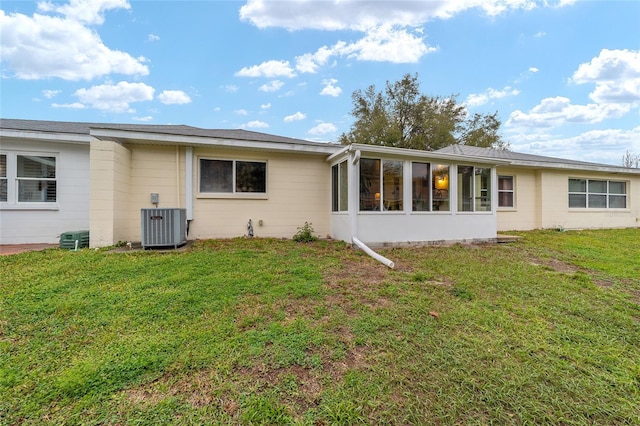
(429,187)
(3,178)
(339,188)
(28,178)
(381,185)
(597,194)
(233,176)
(474,189)
(506,191)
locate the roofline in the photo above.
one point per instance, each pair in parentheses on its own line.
(166,138)
(593,167)
(404,152)
(73,138)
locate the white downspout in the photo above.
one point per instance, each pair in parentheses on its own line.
(353,213)
(189,182)
(372,253)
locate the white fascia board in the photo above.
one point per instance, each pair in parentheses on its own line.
(45,136)
(414,153)
(163,138)
(584,168)
(340,153)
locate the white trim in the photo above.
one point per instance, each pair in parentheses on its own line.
(45,136)
(414,153)
(164,138)
(581,167)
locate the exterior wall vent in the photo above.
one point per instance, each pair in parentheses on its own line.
(164,227)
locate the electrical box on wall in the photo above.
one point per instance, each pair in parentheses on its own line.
(155,198)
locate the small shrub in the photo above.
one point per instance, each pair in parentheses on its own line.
(305,234)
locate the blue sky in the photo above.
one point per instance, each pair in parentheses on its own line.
(564,76)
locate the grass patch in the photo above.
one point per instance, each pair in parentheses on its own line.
(261,331)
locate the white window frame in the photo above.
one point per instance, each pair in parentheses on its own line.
(607,194)
(380,198)
(339,199)
(512,191)
(233,193)
(13,181)
(484,192)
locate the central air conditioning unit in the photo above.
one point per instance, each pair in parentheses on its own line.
(164,227)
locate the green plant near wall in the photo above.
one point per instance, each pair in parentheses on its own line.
(305,234)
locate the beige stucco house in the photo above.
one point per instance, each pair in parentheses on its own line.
(538,192)
(58,177)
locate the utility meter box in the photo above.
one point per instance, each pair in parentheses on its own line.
(74,240)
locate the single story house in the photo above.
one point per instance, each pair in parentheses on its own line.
(539,192)
(57,177)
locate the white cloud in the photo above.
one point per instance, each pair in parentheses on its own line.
(552,112)
(50,93)
(599,146)
(265,106)
(322,129)
(295,117)
(272,86)
(256,125)
(145,119)
(477,99)
(387,44)
(268,69)
(153,37)
(115,98)
(43,46)
(230,88)
(86,11)
(616,74)
(171,97)
(241,112)
(355,14)
(74,105)
(330,89)
(309,62)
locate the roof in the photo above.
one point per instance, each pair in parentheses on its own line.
(413,154)
(79,128)
(531,160)
(87,128)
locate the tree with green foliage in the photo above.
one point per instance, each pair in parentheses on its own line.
(402,117)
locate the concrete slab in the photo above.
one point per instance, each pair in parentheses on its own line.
(9,249)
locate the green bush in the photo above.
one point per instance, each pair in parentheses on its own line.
(305,234)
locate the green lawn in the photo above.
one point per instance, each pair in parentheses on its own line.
(545,330)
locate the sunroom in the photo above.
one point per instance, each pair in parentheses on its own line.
(385,196)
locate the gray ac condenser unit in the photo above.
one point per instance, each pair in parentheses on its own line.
(164,227)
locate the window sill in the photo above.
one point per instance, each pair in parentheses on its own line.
(432,212)
(239,196)
(483,213)
(599,210)
(29,207)
(507,209)
(383,212)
